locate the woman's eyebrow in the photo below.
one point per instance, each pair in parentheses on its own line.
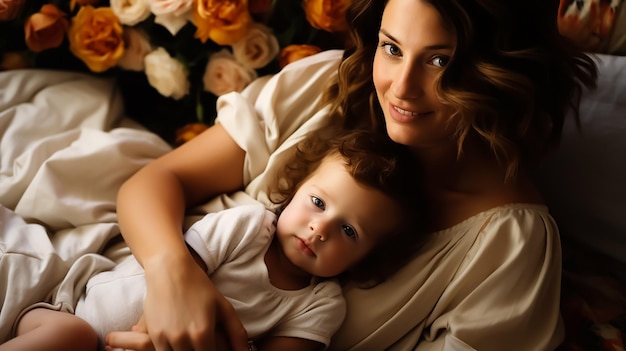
(428,47)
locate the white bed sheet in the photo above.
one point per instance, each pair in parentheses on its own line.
(65,148)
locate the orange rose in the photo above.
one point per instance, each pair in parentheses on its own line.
(14,60)
(295,52)
(10,9)
(73,3)
(96,37)
(223,21)
(328,15)
(189,131)
(45,29)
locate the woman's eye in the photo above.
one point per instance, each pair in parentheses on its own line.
(318,202)
(350,232)
(440,61)
(390,49)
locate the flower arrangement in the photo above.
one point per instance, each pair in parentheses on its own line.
(171,58)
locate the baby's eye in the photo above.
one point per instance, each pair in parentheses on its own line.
(350,232)
(440,61)
(318,202)
(390,49)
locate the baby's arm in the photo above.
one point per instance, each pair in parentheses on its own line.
(129,340)
(138,339)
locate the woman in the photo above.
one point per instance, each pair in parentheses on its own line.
(477,91)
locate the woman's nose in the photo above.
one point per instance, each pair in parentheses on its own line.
(406,83)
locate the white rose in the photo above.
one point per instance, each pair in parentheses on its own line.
(171,14)
(166,74)
(224,74)
(136,47)
(130,12)
(258,48)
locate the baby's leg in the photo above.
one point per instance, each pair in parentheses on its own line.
(49,330)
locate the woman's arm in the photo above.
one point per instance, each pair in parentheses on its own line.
(151,208)
(181,306)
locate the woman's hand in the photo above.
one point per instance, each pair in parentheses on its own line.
(183,308)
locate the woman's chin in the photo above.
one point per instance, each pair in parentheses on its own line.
(401,135)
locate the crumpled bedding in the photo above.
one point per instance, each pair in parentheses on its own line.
(65,150)
(61,162)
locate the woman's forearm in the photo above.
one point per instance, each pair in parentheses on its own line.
(151,204)
(150,208)
(182,308)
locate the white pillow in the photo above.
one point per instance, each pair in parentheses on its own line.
(584,183)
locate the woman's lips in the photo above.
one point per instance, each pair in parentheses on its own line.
(401,115)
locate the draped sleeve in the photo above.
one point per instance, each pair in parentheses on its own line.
(275,112)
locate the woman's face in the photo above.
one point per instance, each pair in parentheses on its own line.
(413,47)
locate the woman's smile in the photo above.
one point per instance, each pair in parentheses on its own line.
(403,115)
(405,112)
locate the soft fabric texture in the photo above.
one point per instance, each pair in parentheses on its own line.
(114,298)
(64,154)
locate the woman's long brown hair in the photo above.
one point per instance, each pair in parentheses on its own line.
(512,79)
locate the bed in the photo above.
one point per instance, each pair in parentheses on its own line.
(61,133)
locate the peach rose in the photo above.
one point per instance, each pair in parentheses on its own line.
(257,48)
(130,12)
(45,29)
(10,9)
(96,37)
(223,74)
(171,14)
(136,47)
(223,21)
(328,15)
(166,74)
(294,52)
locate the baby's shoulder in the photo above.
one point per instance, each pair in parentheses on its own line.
(329,288)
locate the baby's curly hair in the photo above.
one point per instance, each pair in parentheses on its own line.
(512,78)
(376,162)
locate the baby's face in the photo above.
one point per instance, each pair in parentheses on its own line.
(333,222)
